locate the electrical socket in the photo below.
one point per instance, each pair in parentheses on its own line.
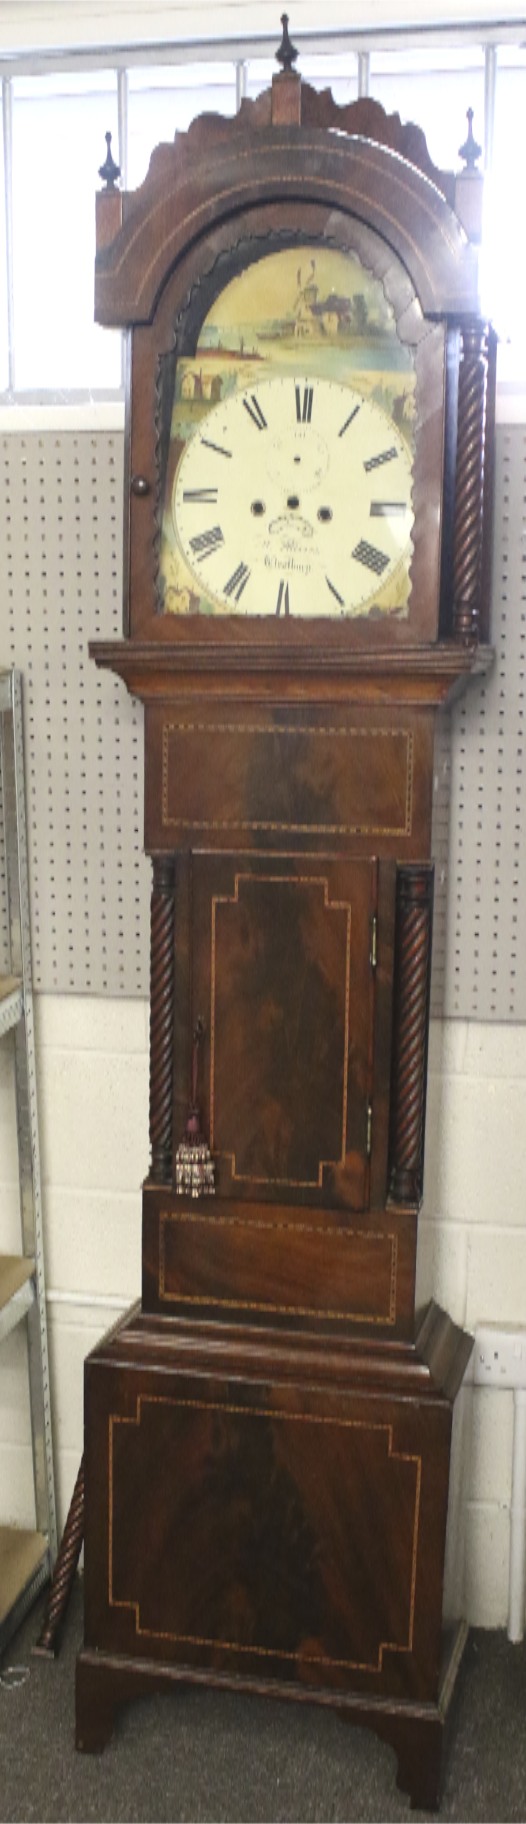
(499,1357)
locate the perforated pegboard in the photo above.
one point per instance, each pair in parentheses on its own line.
(440,852)
(60,585)
(485,958)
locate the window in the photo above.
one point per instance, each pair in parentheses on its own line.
(502,261)
(164,101)
(4,329)
(435,88)
(58,128)
(54,139)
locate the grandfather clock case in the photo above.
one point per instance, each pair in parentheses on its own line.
(268,1432)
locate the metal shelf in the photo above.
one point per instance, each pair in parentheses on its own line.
(6,677)
(11,1002)
(17,1290)
(24,1567)
(26,1558)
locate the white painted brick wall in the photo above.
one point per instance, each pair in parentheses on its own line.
(93,1094)
(92,1062)
(472,1255)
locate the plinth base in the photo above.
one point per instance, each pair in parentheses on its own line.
(265,1511)
(414,1731)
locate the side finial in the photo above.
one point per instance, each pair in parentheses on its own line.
(470,151)
(109,171)
(286,54)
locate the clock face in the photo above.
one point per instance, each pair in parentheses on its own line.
(287,489)
(294,497)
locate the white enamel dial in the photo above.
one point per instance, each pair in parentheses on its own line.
(293,496)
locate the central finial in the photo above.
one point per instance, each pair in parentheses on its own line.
(286,54)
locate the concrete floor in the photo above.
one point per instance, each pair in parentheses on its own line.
(215,1756)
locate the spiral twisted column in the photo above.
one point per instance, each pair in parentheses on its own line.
(469,487)
(414,907)
(162,1018)
(64,1572)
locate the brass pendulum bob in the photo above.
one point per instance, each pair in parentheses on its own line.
(194,1167)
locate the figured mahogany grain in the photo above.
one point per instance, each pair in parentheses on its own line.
(268,1435)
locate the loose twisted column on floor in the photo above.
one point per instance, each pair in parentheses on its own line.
(469,485)
(414,902)
(162,1019)
(64,1572)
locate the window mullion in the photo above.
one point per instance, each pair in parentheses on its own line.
(241,83)
(122,116)
(490,90)
(364,69)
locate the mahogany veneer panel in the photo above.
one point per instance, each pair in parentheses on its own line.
(280,973)
(225,774)
(267,1447)
(277,1260)
(270,1524)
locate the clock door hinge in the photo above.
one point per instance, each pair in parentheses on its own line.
(369,1130)
(373,952)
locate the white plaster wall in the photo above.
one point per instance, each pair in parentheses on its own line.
(93,1092)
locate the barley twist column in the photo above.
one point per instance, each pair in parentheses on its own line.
(414,904)
(162,1018)
(469,486)
(64,1572)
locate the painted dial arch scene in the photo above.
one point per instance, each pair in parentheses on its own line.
(289,491)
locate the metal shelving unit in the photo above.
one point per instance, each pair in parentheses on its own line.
(26,1557)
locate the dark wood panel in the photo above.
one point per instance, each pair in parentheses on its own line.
(269,1528)
(277,1260)
(287,779)
(263,1551)
(281,975)
(223,774)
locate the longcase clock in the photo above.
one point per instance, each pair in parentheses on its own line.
(268,1432)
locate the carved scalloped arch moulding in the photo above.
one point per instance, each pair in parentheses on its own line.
(221,166)
(365,119)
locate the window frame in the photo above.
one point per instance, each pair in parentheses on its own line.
(243,54)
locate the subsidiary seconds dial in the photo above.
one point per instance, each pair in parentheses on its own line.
(293,496)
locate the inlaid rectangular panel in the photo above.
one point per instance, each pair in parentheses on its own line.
(254,776)
(299,1597)
(308,1267)
(277,1260)
(261,1513)
(292,777)
(281,959)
